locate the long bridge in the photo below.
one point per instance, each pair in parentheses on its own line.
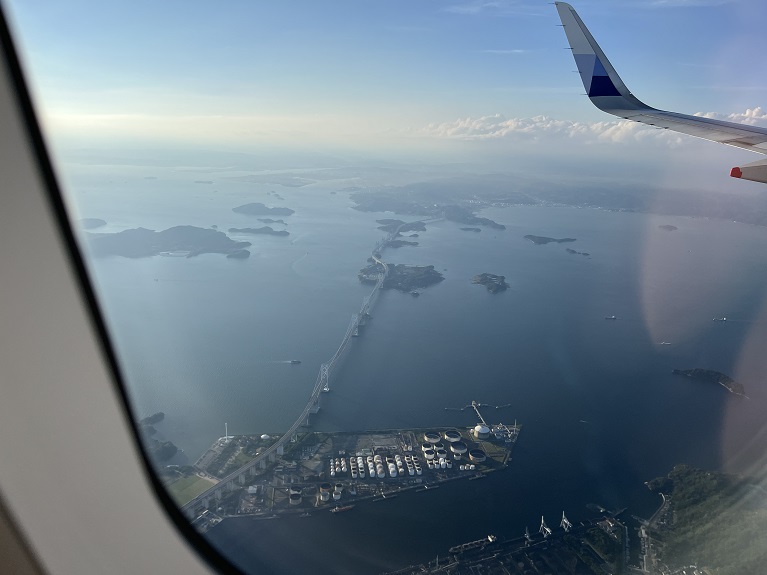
(197,505)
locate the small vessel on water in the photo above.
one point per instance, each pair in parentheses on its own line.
(307,514)
(720,319)
(664,343)
(341,509)
(478,544)
(295,361)
(610,317)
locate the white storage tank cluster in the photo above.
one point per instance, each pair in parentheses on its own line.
(431,437)
(452,436)
(458,448)
(477,455)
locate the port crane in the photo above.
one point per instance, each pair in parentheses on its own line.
(544,530)
(527,535)
(565,524)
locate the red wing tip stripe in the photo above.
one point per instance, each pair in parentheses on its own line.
(736,172)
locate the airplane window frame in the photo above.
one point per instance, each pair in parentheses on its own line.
(13,73)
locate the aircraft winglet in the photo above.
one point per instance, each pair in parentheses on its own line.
(607,92)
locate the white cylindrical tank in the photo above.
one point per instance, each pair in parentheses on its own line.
(336,495)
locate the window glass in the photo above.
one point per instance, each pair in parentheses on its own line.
(390,295)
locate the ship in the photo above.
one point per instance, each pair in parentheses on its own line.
(338,509)
(610,317)
(478,544)
(295,361)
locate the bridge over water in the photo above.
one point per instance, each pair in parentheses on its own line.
(239,477)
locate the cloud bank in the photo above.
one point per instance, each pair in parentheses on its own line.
(497,127)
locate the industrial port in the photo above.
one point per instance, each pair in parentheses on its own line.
(333,472)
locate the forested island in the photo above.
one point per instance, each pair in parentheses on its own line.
(405,278)
(668,227)
(185,241)
(259,209)
(470,229)
(266,230)
(715,521)
(492,282)
(541,240)
(712,376)
(400,243)
(390,225)
(386,201)
(576,252)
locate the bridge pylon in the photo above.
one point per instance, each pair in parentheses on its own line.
(325,377)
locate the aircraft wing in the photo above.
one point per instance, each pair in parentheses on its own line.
(607,92)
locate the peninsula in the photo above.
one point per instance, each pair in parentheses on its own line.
(182,241)
(390,225)
(259,209)
(540,240)
(712,376)
(492,282)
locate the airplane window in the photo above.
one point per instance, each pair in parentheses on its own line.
(391,294)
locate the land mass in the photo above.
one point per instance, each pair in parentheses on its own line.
(262,230)
(575,252)
(400,243)
(709,518)
(259,209)
(405,278)
(712,376)
(179,240)
(492,282)
(271,221)
(471,229)
(540,240)
(668,227)
(385,202)
(391,225)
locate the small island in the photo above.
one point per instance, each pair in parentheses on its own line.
(181,241)
(259,209)
(668,227)
(711,376)
(405,278)
(470,229)
(390,225)
(400,243)
(271,221)
(541,240)
(492,282)
(575,252)
(262,230)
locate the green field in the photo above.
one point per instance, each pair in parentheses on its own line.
(187,488)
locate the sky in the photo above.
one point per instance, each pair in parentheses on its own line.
(414,74)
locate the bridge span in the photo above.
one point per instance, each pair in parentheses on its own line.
(238,478)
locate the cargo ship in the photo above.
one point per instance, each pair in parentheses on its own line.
(478,544)
(338,509)
(295,361)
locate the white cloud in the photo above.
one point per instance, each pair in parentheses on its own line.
(752,116)
(541,128)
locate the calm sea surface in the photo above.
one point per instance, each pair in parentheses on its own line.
(206,340)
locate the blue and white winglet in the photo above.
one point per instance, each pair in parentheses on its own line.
(607,92)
